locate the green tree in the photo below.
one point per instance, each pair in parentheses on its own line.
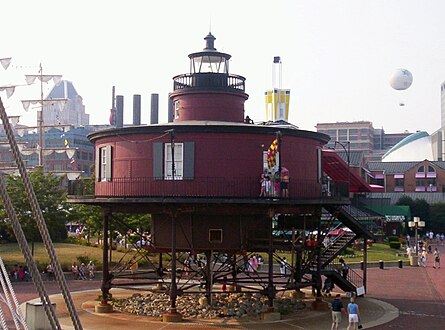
(418,207)
(52,201)
(437,220)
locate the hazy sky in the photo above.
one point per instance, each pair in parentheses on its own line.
(337,56)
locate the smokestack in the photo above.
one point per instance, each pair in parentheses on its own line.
(136,109)
(119,111)
(154,115)
(170,110)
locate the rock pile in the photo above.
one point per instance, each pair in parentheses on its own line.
(234,305)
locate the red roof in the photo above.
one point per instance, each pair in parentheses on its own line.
(337,169)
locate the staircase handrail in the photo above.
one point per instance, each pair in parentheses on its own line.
(352,276)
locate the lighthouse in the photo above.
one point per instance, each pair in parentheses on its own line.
(208,91)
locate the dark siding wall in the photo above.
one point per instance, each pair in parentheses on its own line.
(193,231)
(213,155)
(211,106)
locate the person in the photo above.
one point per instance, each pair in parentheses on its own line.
(263,185)
(268,186)
(75,270)
(187,266)
(353,315)
(224,284)
(83,271)
(247,120)
(21,273)
(50,272)
(328,286)
(283,266)
(91,267)
(27,273)
(260,261)
(337,309)
(436,258)
(423,258)
(284,182)
(326,241)
(344,268)
(409,251)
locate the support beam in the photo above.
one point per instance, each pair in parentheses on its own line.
(103,306)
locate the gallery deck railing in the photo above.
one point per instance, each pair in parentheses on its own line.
(206,187)
(209,81)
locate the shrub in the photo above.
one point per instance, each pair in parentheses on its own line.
(393,239)
(84,258)
(394,245)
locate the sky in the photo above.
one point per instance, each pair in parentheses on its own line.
(337,56)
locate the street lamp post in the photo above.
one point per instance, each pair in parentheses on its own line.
(416,224)
(347,148)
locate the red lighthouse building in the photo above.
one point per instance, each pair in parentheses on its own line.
(200,177)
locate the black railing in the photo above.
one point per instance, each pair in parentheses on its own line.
(351,276)
(208,187)
(209,80)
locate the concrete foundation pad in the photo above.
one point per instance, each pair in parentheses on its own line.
(103,308)
(171,317)
(270,316)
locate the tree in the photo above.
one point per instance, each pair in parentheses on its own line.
(437,220)
(52,201)
(419,208)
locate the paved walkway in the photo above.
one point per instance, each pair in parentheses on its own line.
(397,298)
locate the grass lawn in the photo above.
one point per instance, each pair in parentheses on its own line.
(378,251)
(66,254)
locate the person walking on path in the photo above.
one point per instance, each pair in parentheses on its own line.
(423,257)
(353,315)
(436,258)
(337,309)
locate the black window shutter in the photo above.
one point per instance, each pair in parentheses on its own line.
(189,160)
(158,161)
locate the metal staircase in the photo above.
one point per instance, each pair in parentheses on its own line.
(336,246)
(328,259)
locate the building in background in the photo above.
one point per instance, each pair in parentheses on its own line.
(72,112)
(362,136)
(66,151)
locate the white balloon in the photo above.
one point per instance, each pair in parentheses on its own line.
(401,79)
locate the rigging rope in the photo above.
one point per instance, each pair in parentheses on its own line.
(37,213)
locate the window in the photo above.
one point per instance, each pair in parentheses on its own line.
(431,185)
(184,161)
(265,164)
(420,172)
(215,235)
(399,182)
(103,163)
(420,184)
(176,109)
(177,167)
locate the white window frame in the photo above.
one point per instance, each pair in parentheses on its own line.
(179,161)
(265,164)
(103,164)
(176,109)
